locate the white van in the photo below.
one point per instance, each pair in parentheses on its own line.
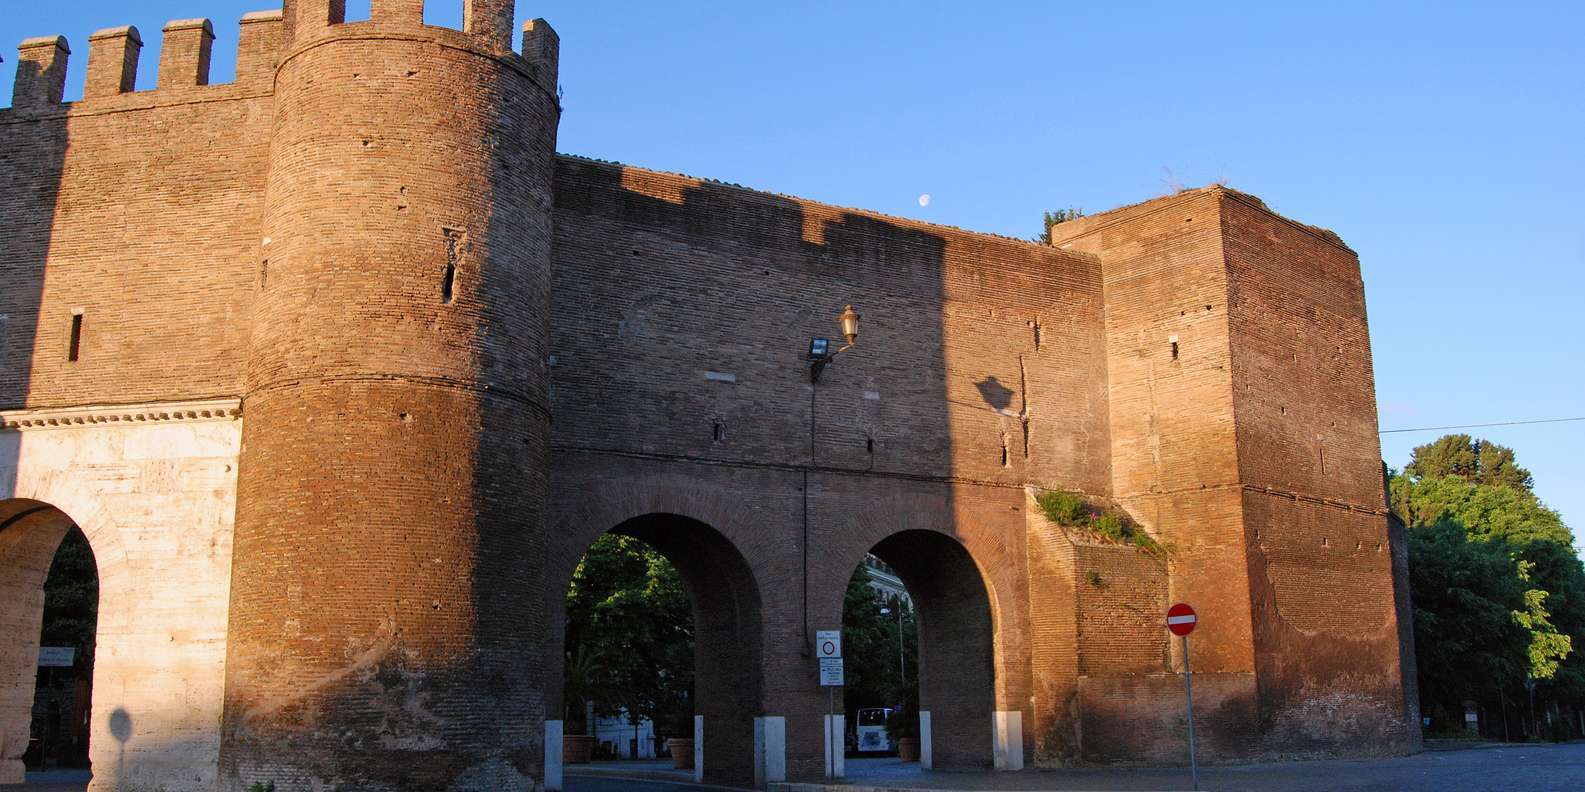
(871,730)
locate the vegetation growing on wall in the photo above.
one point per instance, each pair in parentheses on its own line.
(1071,510)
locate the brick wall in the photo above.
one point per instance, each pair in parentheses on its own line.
(405,290)
(1175,464)
(390,536)
(140,212)
(1320,557)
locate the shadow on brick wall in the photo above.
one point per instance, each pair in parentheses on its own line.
(683,312)
(32,150)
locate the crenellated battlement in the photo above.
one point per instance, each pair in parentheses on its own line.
(488,22)
(113,55)
(187,46)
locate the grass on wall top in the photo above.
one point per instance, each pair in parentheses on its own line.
(1070,510)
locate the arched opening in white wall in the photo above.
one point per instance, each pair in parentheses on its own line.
(49,598)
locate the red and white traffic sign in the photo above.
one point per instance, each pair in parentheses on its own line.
(1181,619)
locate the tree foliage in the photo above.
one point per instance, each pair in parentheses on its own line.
(1465,592)
(629,637)
(1052,218)
(1474,461)
(1497,586)
(870,648)
(71,599)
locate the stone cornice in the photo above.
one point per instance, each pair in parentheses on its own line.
(153,412)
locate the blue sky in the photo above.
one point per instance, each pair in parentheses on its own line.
(1445,142)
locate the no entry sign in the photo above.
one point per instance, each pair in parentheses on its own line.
(1181,619)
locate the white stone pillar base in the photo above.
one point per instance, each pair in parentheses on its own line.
(1007,739)
(926,759)
(553,756)
(836,746)
(698,749)
(770,750)
(11,771)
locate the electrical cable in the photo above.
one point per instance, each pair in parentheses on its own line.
(1480,425)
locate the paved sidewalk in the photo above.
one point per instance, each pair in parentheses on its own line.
(652,769)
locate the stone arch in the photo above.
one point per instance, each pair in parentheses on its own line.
(689,525)
(30,532)
(965,577)
(154,496)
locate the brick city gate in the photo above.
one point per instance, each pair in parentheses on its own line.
(340,367)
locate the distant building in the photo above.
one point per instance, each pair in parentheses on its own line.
(884,580)
(617,736)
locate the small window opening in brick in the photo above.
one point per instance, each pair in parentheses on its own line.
(1004,454)
(869,444)
(264,273)
(456,239)
(74,350)
(716,432)
(1325,542)
(1174,350)
(1323,461)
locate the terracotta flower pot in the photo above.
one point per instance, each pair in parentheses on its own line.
(908,749)
(681,752)
(576,748)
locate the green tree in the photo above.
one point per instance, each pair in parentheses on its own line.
(1467,643)
(1474,461)
(71,599)
(1477,488)
(1546,647)
(629,635)
(1052,218)
(873,671)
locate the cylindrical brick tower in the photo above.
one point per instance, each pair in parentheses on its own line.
(386,583)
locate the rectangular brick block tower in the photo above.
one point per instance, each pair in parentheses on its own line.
(1244,433)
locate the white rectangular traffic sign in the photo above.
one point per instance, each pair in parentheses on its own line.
(831,672)
(56,656)
(828,643)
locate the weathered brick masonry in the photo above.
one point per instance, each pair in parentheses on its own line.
(342,368)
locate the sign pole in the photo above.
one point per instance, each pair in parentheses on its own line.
(828,646)
(1181,619)
(1188,694)
(831,725)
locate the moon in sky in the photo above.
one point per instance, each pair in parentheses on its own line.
(924,200)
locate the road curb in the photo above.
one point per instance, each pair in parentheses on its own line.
(805,787)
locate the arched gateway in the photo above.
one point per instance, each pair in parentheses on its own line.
(354,311)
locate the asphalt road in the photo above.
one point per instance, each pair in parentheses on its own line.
(1540,768)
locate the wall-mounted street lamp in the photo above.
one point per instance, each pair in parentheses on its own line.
(820,352)
(820,356)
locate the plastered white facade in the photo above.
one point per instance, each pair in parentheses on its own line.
(154,489)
